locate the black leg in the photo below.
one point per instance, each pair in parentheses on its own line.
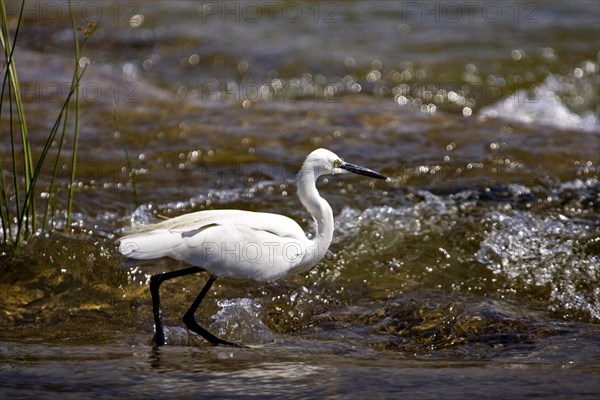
(155,282)
(192,325)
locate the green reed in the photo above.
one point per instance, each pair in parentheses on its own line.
(19,176)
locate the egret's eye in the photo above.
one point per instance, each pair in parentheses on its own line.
(337,163)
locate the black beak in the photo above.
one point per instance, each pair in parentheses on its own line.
(357,169)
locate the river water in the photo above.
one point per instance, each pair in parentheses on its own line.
(473,271)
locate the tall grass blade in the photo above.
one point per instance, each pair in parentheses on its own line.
(22,197)
(77,110)
(5,39)
(24,220)
(62,119)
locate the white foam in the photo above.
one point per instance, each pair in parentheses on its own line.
(544,106)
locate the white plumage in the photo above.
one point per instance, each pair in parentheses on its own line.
(234,243)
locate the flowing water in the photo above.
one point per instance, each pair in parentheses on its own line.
(473,271)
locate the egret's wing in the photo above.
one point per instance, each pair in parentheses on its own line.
(278,224)
(240,251)
(158,240)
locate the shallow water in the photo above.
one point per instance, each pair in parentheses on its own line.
(283,369)
(473,271)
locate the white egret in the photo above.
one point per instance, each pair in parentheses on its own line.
(240,244)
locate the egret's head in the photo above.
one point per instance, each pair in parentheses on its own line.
(325,162)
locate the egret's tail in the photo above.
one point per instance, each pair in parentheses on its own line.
(149,245)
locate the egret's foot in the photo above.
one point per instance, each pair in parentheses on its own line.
(222,342)
(193,326)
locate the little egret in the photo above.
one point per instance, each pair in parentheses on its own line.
(240,244)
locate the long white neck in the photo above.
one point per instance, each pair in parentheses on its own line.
(319,209)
